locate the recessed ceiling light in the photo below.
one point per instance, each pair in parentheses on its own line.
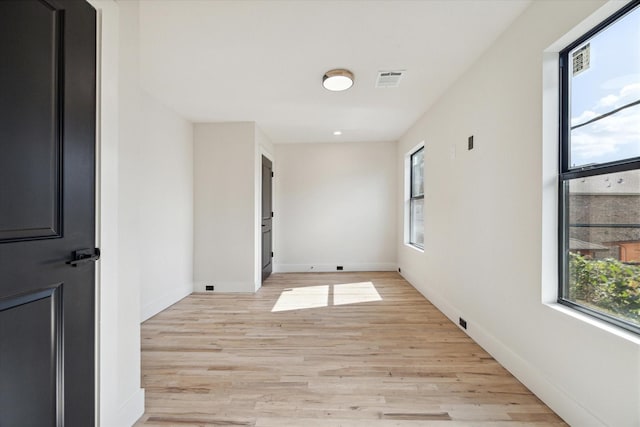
(337,80)
(337,133)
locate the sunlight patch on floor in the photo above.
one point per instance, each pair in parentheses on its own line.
(325,295)
(301,298)
(353,293)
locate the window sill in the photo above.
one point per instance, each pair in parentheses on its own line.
(415,248)
(596,323)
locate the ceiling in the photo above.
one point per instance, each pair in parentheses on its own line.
(263,61)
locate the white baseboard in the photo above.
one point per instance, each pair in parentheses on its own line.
(131,410)
(553,396)
(327,268)
(557,399)
(169,298)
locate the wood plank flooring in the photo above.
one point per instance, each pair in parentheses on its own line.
(324,350)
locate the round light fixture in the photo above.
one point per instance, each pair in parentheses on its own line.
(337,80)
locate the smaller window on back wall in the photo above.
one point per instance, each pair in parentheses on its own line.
(416,202)
(599,215)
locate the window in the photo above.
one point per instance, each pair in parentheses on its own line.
(599,214)
(416,199)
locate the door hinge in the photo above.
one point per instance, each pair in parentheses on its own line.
(271,254)
(272,175)
(271,214)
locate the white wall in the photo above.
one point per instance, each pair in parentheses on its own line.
(335,205)
(129,248)
(165,173)
(488,234)
(224,206)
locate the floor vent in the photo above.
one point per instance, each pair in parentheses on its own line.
(425,416)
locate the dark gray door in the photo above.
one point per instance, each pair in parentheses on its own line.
(47,168)
(267,217)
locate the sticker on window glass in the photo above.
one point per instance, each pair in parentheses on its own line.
(581,59)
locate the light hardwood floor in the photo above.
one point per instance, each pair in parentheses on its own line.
(343,349)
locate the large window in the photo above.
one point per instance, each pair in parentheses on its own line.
(599,223)
(416,203)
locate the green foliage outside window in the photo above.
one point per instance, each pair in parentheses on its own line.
(606,285)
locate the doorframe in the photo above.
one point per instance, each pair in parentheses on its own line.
(262,151)
(98,225)
(111,408)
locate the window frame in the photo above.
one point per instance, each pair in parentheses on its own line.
(567,173)
(412,198)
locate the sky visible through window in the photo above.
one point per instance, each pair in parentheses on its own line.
(611,81)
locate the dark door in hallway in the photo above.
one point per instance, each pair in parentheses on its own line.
(267,217)
(47,168)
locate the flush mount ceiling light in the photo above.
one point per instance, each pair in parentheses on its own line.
(337,80)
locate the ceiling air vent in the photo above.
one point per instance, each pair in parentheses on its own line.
(389,78)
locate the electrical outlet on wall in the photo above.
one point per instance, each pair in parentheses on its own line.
(462,323)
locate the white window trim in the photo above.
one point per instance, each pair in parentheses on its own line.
(550,173)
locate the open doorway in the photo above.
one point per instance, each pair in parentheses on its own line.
(267,217)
